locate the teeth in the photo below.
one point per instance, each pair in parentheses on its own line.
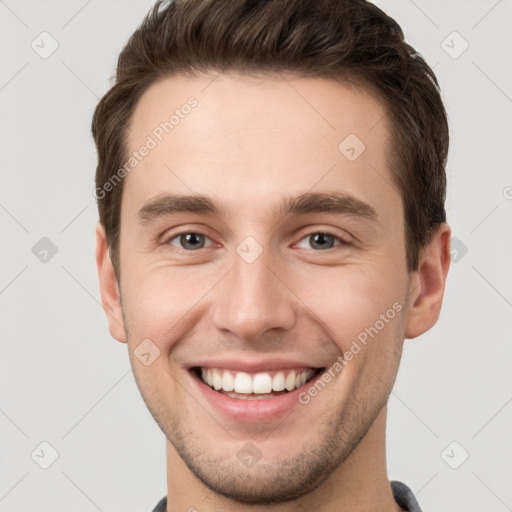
(217,380)
(278,382)
(260,383)
(290,381)
(228,382)
(243,383)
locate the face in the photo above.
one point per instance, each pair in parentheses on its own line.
(292,258)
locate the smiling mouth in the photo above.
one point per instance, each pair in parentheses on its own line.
(257,385)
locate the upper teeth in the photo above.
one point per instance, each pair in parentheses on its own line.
(264,382)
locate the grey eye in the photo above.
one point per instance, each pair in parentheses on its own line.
(189,241)
(321,241)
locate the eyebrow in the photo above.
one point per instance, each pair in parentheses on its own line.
(310,202)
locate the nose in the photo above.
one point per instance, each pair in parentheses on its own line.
(253,299)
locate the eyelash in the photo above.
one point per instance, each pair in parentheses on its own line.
(342,241)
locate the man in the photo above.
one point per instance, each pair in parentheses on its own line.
(271,186)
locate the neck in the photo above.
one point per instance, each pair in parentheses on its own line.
(360,482)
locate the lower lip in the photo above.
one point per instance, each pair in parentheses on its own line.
(253,410)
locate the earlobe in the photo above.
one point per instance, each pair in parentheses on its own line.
(428,283)
(109,287)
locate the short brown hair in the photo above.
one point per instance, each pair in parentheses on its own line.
(345,40)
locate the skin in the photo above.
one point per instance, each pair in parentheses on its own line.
(249,142)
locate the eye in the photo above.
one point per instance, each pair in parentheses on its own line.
(190,241)
(323,240)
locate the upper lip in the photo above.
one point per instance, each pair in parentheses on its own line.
(260,365)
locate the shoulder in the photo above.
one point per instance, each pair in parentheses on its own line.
(161,505)
(404,496)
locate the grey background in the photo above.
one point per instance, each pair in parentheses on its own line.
(65,381)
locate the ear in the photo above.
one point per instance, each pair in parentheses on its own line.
(427,283)
(109,287)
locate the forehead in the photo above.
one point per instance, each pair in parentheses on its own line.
(248,138)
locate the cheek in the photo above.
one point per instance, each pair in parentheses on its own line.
(164,303)
(160,302)
(349,302)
